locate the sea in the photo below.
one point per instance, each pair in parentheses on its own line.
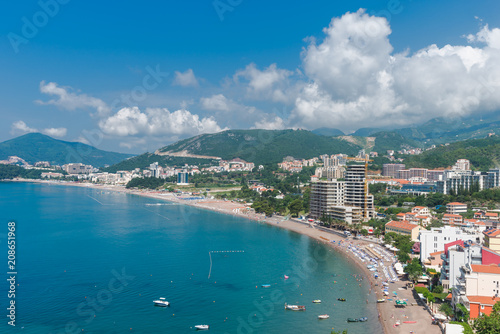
(93,261)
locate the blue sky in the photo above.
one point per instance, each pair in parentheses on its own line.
(135,76)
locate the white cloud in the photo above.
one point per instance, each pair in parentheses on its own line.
(271,83)
(185,79)
(157,122)
(270,123)
(69,100)
(355,80)
(55,132)
(215,102)
(20,127)
(82,140)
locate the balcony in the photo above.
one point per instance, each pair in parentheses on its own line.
(443,257)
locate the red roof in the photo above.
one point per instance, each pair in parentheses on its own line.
(404,225)
(491,214)
(483,300)
(487,269)
(436,253)
(400,214)
(419,207)
(455,203)
(492,233)
(451,215)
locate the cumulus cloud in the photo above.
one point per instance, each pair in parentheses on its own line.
(215,102)
(157,122)
(185,79)
(68,100)
(270,123)
(20,128)
(55,132)
(271,83)
(356,80)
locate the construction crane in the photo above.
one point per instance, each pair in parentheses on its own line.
(364,159)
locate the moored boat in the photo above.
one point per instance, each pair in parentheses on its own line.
(363,319)
(381,300)
(341,299)
(202,327)
(352,320)
(295,307)
(161,302)
(317,301)
(266,285)
(323,316)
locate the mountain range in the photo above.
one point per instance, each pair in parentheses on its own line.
(455,138)
(33,147)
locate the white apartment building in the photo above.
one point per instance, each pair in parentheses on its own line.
(476,280)
(455,256)
(433,240)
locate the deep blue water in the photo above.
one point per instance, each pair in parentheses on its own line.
(92,261)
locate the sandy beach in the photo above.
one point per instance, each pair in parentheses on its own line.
(413,318)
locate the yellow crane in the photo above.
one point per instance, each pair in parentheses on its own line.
(364,159)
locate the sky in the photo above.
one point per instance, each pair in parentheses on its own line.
(135,76)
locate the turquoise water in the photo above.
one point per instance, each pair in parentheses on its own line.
(93,261)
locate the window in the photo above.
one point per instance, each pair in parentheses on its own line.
(482,307)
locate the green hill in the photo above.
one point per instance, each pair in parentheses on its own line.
(386,140)
(262,146)
(482,153)
(34,147)
(331,132)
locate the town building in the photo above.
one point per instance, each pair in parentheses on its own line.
(356,190)
(182,178)
(78,168)
(404,228)
(456,254)
(392,170)
(456,208)
(452,220)
(324,196)
(434,240)
(491,239)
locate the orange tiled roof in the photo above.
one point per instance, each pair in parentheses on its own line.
(404,225)
(419,207)
(492,233)
(483,300)
(455,203)
(436,253)
(491,214)
(451,215)
(487,269)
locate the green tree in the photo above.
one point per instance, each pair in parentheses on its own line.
(461,314)
(295,207)
(488,324)
(414,269)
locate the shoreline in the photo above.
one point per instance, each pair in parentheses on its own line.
(333,240)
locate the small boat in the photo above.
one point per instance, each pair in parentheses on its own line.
(202,327)
(295,307)
(363,319)
(266,285)
(161,302)
(286,277)
(386,293)
(341,299)
(409,322)
(381,300)
(352,320)
(323,316)
(397,323)
(317,301)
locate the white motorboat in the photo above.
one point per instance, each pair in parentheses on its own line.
(161,302)
(202,327)
(323,316)
(295,307)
